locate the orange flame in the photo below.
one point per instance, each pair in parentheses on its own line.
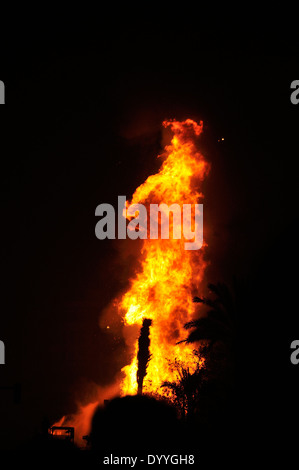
(162,290)
(169,275)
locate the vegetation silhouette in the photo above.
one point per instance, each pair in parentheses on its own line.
(143,355)
(205,397)
(136,424)
(185,390)
(220,322)
(198,412)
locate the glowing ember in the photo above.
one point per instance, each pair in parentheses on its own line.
(162,290)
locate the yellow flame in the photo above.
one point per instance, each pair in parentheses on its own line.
(162,290)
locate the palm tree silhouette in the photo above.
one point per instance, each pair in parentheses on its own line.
(185,391)
(143,355)
(219,323)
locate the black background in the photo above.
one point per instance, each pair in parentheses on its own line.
(82,125)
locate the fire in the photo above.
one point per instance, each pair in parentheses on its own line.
(162,290)
(170,275)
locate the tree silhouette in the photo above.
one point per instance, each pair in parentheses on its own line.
(186,390)
(205,397)
(143,355)
(219,323)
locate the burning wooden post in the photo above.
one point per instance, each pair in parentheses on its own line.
(143,356)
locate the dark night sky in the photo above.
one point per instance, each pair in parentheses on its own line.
(82,125)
